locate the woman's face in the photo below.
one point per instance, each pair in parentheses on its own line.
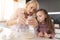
(41,16)
(31,8)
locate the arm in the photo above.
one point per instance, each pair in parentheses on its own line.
(51,35)
(14,19)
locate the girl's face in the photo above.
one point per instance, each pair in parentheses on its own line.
(31,8)
(41,16)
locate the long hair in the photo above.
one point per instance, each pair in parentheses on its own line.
(48,21)
(31,2)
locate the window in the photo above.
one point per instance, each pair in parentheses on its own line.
(8,7)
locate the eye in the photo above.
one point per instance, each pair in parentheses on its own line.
(31,7)
(36,16)
(34,9)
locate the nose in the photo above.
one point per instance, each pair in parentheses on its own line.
(32,10)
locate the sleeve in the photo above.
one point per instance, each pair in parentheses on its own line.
(51,36)
(36,32)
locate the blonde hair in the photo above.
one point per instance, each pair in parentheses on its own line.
(31,2)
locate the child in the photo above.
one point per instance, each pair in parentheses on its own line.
(45,26)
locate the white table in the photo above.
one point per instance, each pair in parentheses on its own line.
(8,34)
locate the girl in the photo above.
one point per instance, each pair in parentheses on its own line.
(45,26)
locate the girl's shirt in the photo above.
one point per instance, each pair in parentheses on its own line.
(43,28)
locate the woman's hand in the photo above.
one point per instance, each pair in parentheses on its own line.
(16,18)
(33,22)
(21,20)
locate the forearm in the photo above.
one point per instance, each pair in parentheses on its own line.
(11,22)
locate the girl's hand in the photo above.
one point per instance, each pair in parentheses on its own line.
(40,34)
(47,35)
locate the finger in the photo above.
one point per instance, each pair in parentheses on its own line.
(23,19)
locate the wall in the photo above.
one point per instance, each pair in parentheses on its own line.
(50,5)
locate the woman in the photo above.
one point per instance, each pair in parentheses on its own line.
(22,14)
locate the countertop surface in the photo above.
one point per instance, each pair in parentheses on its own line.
(8,34)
